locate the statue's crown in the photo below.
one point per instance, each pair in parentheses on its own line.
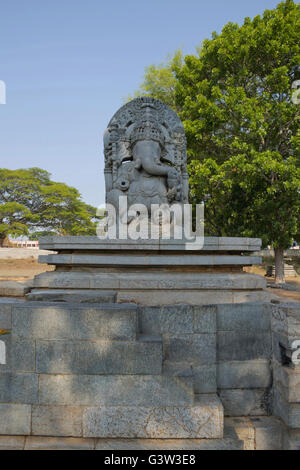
(147,128)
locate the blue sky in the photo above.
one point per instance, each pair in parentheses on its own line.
(69,64)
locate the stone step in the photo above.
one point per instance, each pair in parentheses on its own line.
(115,390)
(183,259)
(99,357)
(60,321)
(71,295)
(95,244)
(86,443)
(203,419)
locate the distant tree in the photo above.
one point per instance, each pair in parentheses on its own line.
(31,202)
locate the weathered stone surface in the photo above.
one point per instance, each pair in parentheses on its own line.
(71,295)
(13,289)
(169,444)
(70,321)
(205,378)
(149,279)
(175,319)
(244,374)
(99,357)
(94,243)
(288,412)
(15,419)
(268,433)
(197,348)
(5,315)
(247,316)
(58,443)
(57,420)
(188,259)
(203,420)
(286,319)
(237,402)
(240,428)
(177,369)
(20,354)
(205,320)
(243,345)
(256,433)
(12,442)
(114,390)
(292,439)
(18,388)
(287,380)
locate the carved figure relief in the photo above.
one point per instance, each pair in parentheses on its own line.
(145,155)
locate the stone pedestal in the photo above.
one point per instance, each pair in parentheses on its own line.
(149,272)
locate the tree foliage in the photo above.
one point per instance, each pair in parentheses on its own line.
(242,127)
(160,80)
(30,203)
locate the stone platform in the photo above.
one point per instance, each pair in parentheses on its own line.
(149,272)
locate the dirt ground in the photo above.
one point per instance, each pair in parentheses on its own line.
(283,293)
(21,269)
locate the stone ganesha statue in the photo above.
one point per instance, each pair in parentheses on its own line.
(145,155)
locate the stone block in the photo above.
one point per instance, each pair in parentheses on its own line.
(13,289)
(172,319)
(288,412)
(114,390)
(99,357)
(5,315)
(292,439)
(197,348)
(57,420)
(15,419)
(239,345)
(268,433)
(244,374)
(71,321)
(205,378)
(205,320)
(177,369)
(244,316)
(18,388)
(242,429)
(286,319)
(12,442)
(237,402)
(169,444)
(58,443)
(72,295)
(20,354)
(203,420)
(287,380)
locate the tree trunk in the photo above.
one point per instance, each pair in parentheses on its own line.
(2,240)
(279,266)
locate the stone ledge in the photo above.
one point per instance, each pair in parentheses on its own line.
(204,419)
(69,443)
(184,259)
(94,243)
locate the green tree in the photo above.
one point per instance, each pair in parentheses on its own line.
(242,127)
(30,202)
(160,80)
